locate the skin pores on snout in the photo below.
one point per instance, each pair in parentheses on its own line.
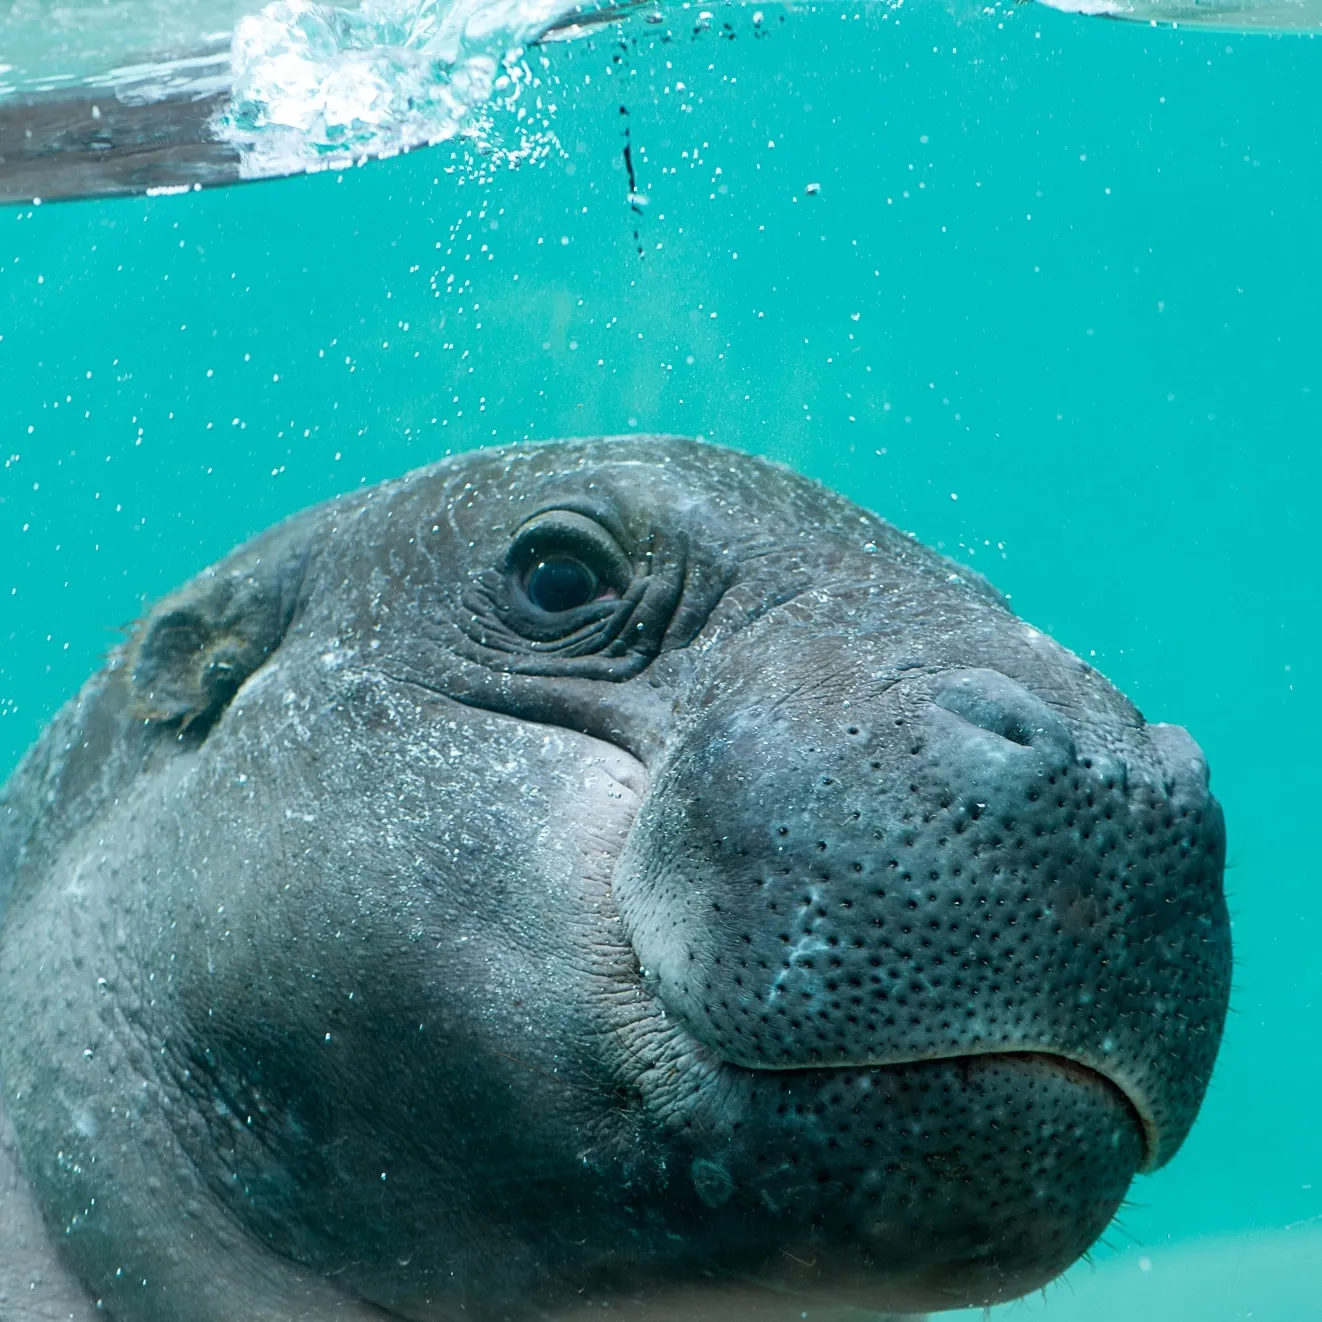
(1013,919)
(617,872)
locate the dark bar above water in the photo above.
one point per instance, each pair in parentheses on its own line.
(92,145)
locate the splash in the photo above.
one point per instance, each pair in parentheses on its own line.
(318,86)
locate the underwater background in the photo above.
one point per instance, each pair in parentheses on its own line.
(1045,291)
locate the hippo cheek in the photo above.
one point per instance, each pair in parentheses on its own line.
(978,958)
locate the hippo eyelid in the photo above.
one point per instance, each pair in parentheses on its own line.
(568,534)
(604,516)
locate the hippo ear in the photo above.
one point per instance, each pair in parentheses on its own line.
(198,645)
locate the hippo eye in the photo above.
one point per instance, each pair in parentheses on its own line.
(562,561)
(560,583)
(568,598)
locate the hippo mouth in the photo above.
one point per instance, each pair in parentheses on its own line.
(1045,1059)
(1066,1067)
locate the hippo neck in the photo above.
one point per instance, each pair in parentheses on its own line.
(34,1282)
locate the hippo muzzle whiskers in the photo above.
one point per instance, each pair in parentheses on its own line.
(616,873)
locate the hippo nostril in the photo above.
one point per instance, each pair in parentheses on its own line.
(1183,766)
(996,703)
(996,720)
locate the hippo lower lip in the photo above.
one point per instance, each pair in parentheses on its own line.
(1010,1160)
(1047,1060)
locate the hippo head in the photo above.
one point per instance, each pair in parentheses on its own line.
(607,873)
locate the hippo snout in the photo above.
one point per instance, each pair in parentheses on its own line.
(943,881)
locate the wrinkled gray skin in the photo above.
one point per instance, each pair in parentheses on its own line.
(789,929)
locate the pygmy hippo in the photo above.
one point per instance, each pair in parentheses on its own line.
(616,874)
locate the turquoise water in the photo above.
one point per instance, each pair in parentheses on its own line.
(1054,304)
